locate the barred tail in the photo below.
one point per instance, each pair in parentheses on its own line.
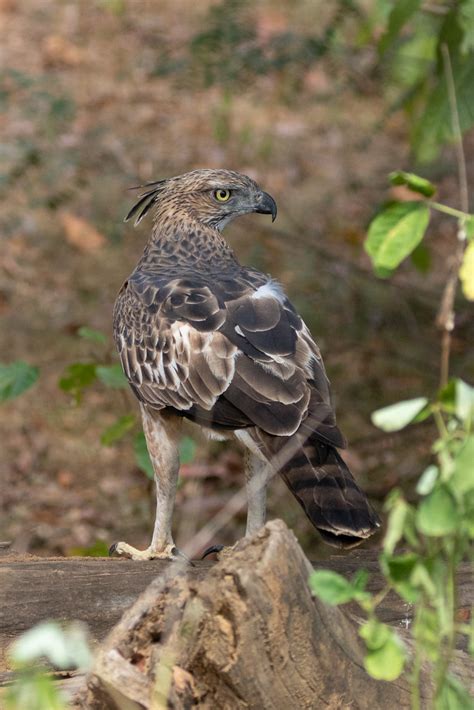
(325,488)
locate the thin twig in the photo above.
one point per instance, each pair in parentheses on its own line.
(445,318)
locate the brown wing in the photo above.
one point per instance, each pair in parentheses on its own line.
(169,348)
(230,353)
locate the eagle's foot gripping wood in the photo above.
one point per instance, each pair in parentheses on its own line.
(170,552)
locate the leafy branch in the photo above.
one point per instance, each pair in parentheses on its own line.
(438,531)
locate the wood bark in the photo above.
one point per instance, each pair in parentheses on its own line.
(94,590)
(244,632)
(97,591)
(246,635)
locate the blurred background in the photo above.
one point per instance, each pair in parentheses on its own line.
(318,102)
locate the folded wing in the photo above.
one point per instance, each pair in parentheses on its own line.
(229,353)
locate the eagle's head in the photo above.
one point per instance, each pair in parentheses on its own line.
(212,197)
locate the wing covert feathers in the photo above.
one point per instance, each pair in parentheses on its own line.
(217,353)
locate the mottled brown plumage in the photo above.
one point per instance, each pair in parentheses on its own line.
(204,338)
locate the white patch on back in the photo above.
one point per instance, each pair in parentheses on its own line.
(271,289)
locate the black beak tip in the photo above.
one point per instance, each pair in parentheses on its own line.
(267,205)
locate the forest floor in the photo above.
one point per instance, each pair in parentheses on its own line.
(93,101)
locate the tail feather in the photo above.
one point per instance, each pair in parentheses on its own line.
(321,482)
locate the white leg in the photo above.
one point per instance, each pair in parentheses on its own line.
(162,435)
(256,476)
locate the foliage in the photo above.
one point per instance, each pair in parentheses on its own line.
(63,647)
(16,378)
(411,36)
(437,532)
(230,52)
(406,38)
(399,228)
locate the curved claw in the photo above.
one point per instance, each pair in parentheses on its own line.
(210,550)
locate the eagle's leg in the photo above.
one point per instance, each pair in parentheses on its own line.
(257,472)
(162,433)
(256,477)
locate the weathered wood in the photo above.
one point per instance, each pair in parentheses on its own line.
(246,635)
(93,590)
(242,633)
(98,590)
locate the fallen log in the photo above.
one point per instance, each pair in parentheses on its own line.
(248,634)
(98,590)
(95,591)
(248,620)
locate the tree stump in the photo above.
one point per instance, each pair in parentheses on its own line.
(247,635)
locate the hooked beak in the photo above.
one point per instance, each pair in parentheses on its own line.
(266,205)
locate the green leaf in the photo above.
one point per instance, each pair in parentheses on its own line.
(112,376)
(464,401)
(399,415)
(360,579)
(466,272)
(117,430)
(434,126)
(374,633)
(437,514)
(413,60)
(77,377)
(395,232)
(466,22)
(332,587)
(427,632)
(187,449)
(395,525)
(16,378)
(398,570)
(469,227)
(94,335)
(427,480)
(462,479)
(447,397)
(414,182)
(387,662)
(402,11)
(386,652)
(142,456)
(421,578)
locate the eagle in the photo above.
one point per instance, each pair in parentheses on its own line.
(203,338)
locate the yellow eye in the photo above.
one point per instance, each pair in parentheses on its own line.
(222,195)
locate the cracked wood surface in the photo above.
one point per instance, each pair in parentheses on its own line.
(246,618)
